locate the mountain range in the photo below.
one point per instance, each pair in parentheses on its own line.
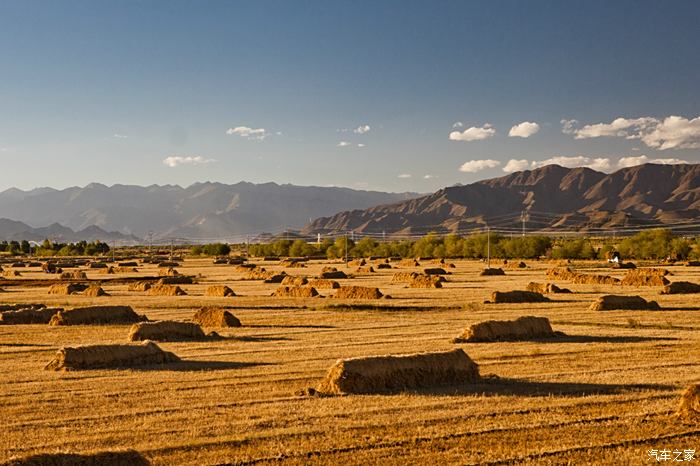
(545,199)
(12,230)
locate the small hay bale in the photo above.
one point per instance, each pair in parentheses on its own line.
(124,269)
(277,278)
(108,458)
(514,265)
(108,271)
(546,288)
(383,265)
(110,356)
(74,275)
(689,406)
(11,274)
(257,273)
(409,263)
(97,315)
(522,328)
(681,288)
(168,264)
(176,280)
(329,269)
(295,292)
(492,271)
(357,263)
(215,317)
(425,281)
(94,291)
(623,303)
(220,291)
(128,264)
(140,286)
(170,272)
(623,265)
(323,284)
(67,288)
(28,316)
(333,275)
(518,296)
(245,267)
(404,277)
(291,280)
(166,290)
(644,277)
(368,269)
(435,271)
(378,374)
(358,292)
(560,273)
(692,264)
(166,330)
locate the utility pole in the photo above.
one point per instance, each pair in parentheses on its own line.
(171,250)
(346,249)
(523,219)
(488,248)
(246,246)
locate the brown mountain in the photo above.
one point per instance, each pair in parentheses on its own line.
(548,198)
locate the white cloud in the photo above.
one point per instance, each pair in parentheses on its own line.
(343,144)
(515,165)
(626,162)
(257,134)
(360,145)
(473,134)
(120,136)
(457,124)
(673,132)
(404,176)
(600,164)
(362,129)
(474,166)
(524,129)
(429,177)
(175,160)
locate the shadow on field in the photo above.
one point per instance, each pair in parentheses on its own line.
(254,339)
(194,366)
(288,326)
(685,308)
(563,338)
(22,345)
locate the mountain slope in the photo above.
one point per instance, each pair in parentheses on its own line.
(551,197)
(11,230)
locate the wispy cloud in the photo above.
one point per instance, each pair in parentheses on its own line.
(457,124)
(474,166)
(362,129)
(524,130)
(343,144)
(120,136)
(177,160)
(360,145)
(404,176)
(625,162)
(429,177)
(473,134)
(257,134)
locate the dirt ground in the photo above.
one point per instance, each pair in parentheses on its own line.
(603,394)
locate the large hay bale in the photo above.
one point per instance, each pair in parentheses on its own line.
(110,356)
(522,328)
(276,278)
(518,296)
(323,284)
(435,271)
(67,288)
(645,277)
(358,292)
(379,374)
(560,273)
(425,281)
(166,290)
(409,263)
(333,275)
(170,272)
(291,280)
(215,317)
(295,292)
(689,406)
(74,275)
(97,315)
(546,288)
(120,458)
(176,280)
(220,291)
(257,273)
(681,288)
(514,265)
(94,291)
(623,303)
(28,316)
(166,330)
(140,286)
(404,277)
(491,271)
(586,279)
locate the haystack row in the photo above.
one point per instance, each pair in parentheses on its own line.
(110,356)
(522,328)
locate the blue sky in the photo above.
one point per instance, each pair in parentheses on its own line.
(388,95)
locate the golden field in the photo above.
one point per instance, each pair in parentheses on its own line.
(605,393)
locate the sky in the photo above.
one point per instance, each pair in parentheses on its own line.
(368,94)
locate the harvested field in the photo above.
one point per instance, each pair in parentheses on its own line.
(97,315)
(295,292)
(121,458)
(110,356)
(546,288)
(689,406)
(623,303)
(215,317)
(358,292)
(378,374)
(166,330)
(323,284)
(517,296)
(522,328)
(221,291)
(681,288)
(409,263)
(166,290)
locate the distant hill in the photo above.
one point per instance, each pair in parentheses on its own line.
(203,210)
(549,198)
(11,230)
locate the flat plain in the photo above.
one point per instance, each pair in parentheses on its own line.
(605,393)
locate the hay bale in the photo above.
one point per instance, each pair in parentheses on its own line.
(67,288)
(368,269)
(166,330)
(97,265)
(522,328)
(565,273)
(546,288)
(560,273)
(689,406)
(404,277)
(623,303)
(358,292)
(220,291)
(383,265)
(277,278)
(645,277)
(108,271)
(11,274)
(357,263)
(291,280)
(109,458)
(28,316)
(514,265)
(97,315)
(124,269)
(435,271)
(681,288)
(692,264)
(110,356)
(128,264)
(176,280)
(168,264)
(140,286)
(491,271)
(622,265)
(166,290)
(409,263)
(333,275)
(379,374)
(295,292)
(329,269)
(245,267)
(215,317)
(257,273)
(322,284)
(170,272)
(94,291)
(425,281)
(518,296)
(74,275)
